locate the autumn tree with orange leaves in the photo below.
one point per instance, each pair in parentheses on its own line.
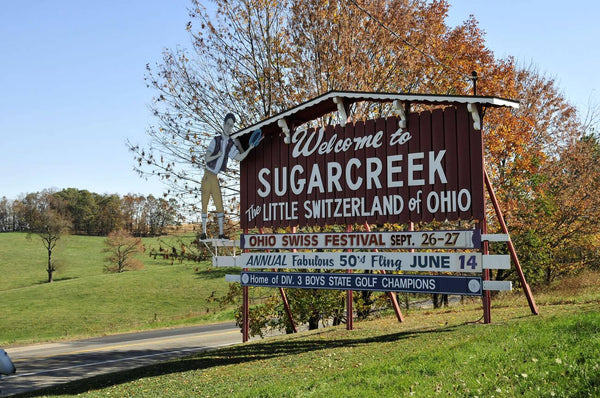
(257,58)
(558,231)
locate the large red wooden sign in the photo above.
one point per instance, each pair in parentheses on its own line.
(370,171)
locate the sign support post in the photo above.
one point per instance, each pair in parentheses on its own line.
(511,247)
(286,303)
(393,297)
(245,314)
(349,300)
(245,308)
(486,297)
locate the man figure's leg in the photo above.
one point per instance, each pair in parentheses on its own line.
(206,191)
(218,199)
(220,219)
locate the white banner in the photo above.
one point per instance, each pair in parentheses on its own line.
(376,261)
(462,239)
(497,285)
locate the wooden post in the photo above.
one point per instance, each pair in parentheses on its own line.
(245,314)
(286,303)
(391,295)
(349,300)
(486,297)
(511,247)
(245,308)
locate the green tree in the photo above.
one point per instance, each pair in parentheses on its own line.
(110,215)
(82,207)
(161,213)
(44,215)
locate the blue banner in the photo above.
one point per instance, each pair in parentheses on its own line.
(458,285)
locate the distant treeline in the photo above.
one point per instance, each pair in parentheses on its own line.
(91,213)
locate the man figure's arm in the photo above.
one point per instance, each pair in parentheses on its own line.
(241,156)
(211,147)
(209,158)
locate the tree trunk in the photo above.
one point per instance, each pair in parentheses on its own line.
(439,300)
(313,322)
(548,276)
(50,268)
(367,301)
(436,300)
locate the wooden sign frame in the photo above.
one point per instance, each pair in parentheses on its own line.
(406,168)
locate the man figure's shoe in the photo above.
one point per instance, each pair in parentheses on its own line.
(203,236)
(223,237)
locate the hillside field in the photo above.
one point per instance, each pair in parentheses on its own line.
(84,301)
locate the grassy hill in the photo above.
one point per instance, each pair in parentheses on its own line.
(444,353)
(85,301)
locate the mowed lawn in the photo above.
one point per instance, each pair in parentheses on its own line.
(444,352)
(434,353)
(85,301)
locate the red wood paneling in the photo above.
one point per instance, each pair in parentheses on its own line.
(477,182)
(449,129)
(425,149)
(414,146)
(437,145)
(464,155)
(452,160)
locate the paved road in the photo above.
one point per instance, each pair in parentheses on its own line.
(49,364)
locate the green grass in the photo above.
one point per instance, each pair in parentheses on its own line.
(85,301)
(433,353)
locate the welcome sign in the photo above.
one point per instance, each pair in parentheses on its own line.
(371,171)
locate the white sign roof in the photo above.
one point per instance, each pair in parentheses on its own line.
(336,100)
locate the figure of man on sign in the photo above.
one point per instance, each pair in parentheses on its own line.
(219,151)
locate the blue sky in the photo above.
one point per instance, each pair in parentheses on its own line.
(73,91)
(72,78)
(559,38)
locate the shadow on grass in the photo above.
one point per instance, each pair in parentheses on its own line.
(232,355)
(66,278)
(213,273)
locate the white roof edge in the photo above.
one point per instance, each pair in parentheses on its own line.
(424,98)
(493,101)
